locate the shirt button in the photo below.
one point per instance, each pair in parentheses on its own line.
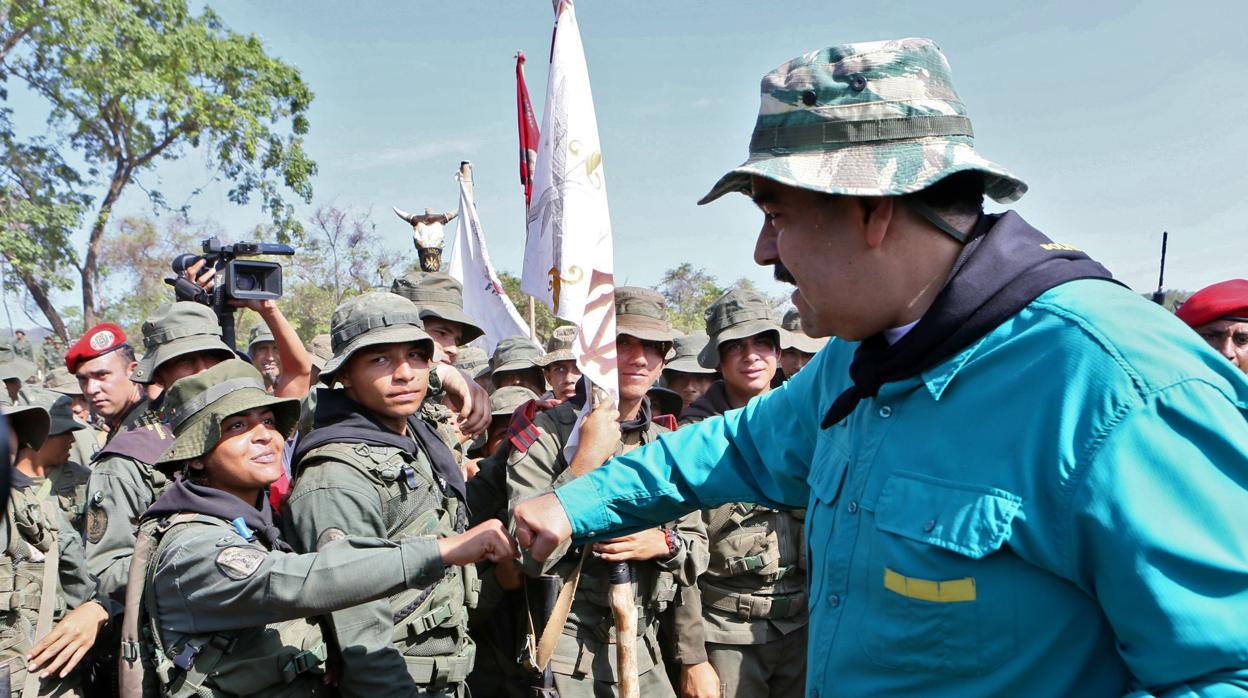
(834,600)
(853,507)
(929,526)
(886,412)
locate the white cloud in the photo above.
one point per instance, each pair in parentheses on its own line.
(408,155)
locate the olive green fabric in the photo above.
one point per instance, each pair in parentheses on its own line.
(321,350)
(60,380)
(60,410)
(471,359)
(13,366)
(195,406)
(31,422)
(504,401)
(259,333)
(793,337)
(438,295)
(177,329)
(642,313)
(558,347)
(737,314)
(370,319)
(685,354)
(514,354)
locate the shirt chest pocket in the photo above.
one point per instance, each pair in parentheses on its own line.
(940,592)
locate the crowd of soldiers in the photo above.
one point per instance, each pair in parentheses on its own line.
(333,519)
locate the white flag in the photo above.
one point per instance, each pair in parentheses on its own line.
(568,261)
(484,299)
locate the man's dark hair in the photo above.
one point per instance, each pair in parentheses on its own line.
(958,197)
(126,352)
(21,332)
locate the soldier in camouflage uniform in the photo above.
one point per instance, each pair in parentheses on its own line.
(14,371)
(440,299)
(796,347)
(584,660)
(683,374)
(515,363)
(209,543)
(87,442)
(55,462)
(748,609)
(38,542)
(263,352)
(103,360)
(372,467)
(21,346)
(472,360)
(51,353)
(559,365)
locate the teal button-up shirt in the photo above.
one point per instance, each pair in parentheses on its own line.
(1060,509)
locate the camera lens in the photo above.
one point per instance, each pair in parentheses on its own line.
(246,282)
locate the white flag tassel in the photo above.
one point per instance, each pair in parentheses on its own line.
(484,298)
(568,261)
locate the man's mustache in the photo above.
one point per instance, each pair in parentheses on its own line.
(781,273)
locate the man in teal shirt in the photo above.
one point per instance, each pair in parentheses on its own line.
(1021,478)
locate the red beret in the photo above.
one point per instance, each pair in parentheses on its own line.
(97,341)
(1221,300)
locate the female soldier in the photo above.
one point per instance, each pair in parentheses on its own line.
(223,598)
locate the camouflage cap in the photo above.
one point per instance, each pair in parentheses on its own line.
(29,422)
(869,119)
(438,295)
(514,354)
(685,354)
(370,319)
(793,337)
(667,401)
(61,381)
(178,329)
(259,333)
(12,366)
(737,314)
(195,406)
(60,410)
(642,313)
(471,359)
(321,350)
(504,401)
(558,347)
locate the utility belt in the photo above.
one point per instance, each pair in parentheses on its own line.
(194,668)
(751,564)
(440,672)
(752,607)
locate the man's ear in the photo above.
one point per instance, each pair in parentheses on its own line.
(877,214)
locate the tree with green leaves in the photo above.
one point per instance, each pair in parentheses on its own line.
(128,83)
(134,262)
(688,292)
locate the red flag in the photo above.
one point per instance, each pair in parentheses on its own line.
(529,133)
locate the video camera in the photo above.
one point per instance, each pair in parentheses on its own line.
(236,279)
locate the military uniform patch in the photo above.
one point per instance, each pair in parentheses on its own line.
(97,523)
(328,536)
(238,562)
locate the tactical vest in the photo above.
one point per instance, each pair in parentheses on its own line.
(284,659)
(758,562)
(29,585)
(431,623)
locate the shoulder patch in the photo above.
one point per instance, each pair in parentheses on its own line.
(239,562)
(97,523)
(328,536)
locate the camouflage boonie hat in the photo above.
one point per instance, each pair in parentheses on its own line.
(259,333)
(514,354)
(642,313)
(60,411)
(370,319)
(504,401)
(195,406)
(438,295)
(321,350)
(62,381)
(794,337)
(869,119)
(667,401)
(558,347)
(471,359)
(174,330)
(29,422)
(737,314)
(13,366)
(685,354)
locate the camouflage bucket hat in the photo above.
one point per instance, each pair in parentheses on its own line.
(438,295)
(685,354)
(735,315)
(504,401)
(13,366)
(794,338)
(259,333)
(642,313)
(667,401)
(62,381)
(558,347)
(370,319)
(60,411)
(195,406)
(471,359)
(30,422)
(514,354)
(175,330)
(870,119)
(321,350)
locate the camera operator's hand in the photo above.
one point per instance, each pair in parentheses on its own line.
(203,277)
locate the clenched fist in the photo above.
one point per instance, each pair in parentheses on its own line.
(541,525)
(485,541)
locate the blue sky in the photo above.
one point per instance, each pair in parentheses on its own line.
(1126,118)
